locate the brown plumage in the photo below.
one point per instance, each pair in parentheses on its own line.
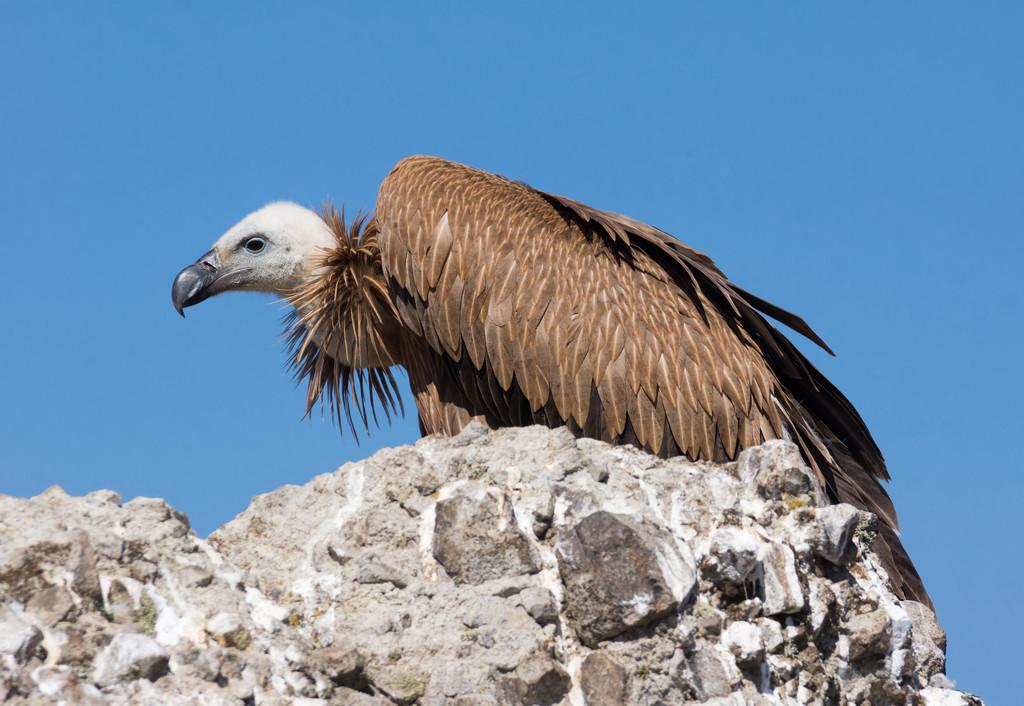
(513,306)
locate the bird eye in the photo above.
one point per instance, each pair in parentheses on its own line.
(255,244)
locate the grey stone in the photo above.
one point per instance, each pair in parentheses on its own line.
(379,572)
(928,639)
(540,681)
(925,624)
(613,576)
(771,634)
(227,629)
(402,684)
(540,604)
(120,606)
(543,513)
(476,538)
(342,664)
(195,576)
(353,697)
(822,602)
(833,536)
(602,680)
(733,559)
(82,564)
(52,604)
(131,656)
(869,634)
(18,637)
(776,471)
(709,673)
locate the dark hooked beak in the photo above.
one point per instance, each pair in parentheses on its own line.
(194,283)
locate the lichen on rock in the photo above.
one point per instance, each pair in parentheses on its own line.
(518,566)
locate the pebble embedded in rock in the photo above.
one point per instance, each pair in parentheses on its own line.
(343,664)
(476,538)
(540,604)
(709,673)
(227,629)
(539,681)
(868,634)
(613,576)
(775,470)
(378,572)
(403,685)
(602,680)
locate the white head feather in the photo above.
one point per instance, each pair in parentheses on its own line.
(273,249)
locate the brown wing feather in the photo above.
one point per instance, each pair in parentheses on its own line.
(607,324)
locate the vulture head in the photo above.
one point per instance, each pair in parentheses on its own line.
(271,250)
(342,328)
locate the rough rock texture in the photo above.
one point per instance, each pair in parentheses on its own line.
(512,567)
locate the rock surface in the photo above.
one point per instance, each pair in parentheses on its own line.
(513,567)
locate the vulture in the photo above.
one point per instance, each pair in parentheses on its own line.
(512,306)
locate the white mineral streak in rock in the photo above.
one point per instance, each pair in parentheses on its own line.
(428,564)
(573,664)
(266,614)
(640,603)
(782,592)
(171,627)
(331,592)
(899,645)
(678,570)
(355,480)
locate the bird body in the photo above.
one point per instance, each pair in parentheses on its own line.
(511,306)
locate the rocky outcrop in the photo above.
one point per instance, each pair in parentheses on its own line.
(513,567)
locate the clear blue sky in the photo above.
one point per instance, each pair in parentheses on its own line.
(861,165)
